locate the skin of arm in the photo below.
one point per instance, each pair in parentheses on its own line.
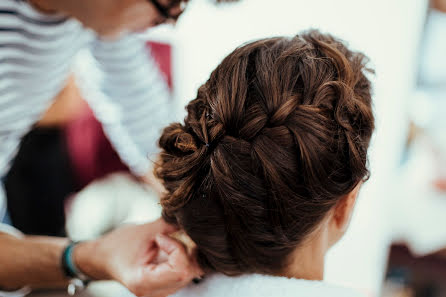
(30,262)
(128,255)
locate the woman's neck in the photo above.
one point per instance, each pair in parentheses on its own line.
(307,260)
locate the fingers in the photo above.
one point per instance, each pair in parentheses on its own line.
(177,255)
(174,249)
(160,226)
(161,278)
(173,273)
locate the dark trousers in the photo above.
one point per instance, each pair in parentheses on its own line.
(40,179)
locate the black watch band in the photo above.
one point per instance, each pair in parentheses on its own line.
(67,261)
(69,266)
(78,280)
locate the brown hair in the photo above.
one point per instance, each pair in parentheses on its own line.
(276,136)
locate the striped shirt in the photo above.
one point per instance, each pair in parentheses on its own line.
(38,52)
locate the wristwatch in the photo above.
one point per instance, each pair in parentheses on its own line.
(78,280)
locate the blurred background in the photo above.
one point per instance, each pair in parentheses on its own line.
(396,245)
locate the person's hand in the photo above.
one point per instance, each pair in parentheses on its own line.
(112,18)
(131,255)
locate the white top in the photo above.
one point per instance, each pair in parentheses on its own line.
(37,54)
(257,285)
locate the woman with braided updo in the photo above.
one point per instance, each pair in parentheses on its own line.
(264,173)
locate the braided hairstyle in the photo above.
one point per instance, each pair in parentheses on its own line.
(275,138)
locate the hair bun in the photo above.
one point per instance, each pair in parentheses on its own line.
(276,136)
(176,140)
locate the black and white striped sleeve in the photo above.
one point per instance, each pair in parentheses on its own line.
(132,101)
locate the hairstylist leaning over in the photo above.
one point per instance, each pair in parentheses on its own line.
(41,38)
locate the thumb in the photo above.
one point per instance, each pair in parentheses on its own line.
(177,254)
(169,245)
(175,269)
(160,226)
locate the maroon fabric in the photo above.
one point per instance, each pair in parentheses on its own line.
(162,52)
(91,154)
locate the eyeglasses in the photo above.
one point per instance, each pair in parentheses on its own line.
(164,10)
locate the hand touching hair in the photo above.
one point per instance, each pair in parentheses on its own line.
(276,136)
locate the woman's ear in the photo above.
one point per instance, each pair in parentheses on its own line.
(342,214)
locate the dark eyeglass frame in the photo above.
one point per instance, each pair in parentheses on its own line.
(164,11)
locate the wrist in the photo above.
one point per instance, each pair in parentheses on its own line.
(88,260)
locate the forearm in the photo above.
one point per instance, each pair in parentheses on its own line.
(30,261)
(126,255)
